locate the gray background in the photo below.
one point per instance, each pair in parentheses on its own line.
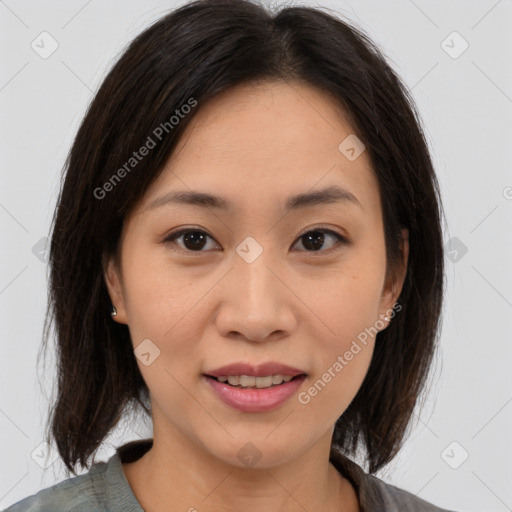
(465,100)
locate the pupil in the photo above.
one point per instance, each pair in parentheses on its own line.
(196,238)
(319,237)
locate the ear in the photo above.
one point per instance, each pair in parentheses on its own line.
(113,281)
(392,289)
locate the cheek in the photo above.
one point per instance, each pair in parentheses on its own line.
(166,307)
(328,395)
(344,344)
(158,296)
(344,310)
(345,301)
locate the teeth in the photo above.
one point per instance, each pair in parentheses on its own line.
(247,381)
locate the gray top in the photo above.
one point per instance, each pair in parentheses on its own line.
(105,488)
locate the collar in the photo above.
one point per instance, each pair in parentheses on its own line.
(120,495)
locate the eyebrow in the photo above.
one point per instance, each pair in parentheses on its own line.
(329,195)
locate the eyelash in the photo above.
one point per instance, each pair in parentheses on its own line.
(341,240)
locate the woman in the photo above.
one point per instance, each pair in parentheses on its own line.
(247,245)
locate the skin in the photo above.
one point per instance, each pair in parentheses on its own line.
(204,306)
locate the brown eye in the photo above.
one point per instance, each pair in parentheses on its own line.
(196,240)
(315,239)
(193,240)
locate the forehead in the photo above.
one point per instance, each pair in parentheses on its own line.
(255,142)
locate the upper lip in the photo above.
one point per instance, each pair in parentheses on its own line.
(262,370)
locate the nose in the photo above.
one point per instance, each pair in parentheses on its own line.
(255,302)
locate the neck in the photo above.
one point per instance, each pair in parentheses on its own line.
(182,473)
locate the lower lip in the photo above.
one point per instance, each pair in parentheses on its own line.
(253,399)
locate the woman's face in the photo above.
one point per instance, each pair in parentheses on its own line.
(261,279)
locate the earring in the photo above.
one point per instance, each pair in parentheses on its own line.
(387,318)
(114,311)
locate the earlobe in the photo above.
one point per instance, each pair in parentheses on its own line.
(393,289)
(404,247)
(112,278)
(402,271)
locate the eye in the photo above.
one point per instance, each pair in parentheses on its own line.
(194,240)
(315,238)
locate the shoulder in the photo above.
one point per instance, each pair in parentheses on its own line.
(77,494)
(395,499)
(374,494)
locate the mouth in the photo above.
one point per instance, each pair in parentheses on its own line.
(251,394)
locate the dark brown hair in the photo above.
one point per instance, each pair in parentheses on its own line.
(195,52)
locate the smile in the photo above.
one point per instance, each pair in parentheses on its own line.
(251,397)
